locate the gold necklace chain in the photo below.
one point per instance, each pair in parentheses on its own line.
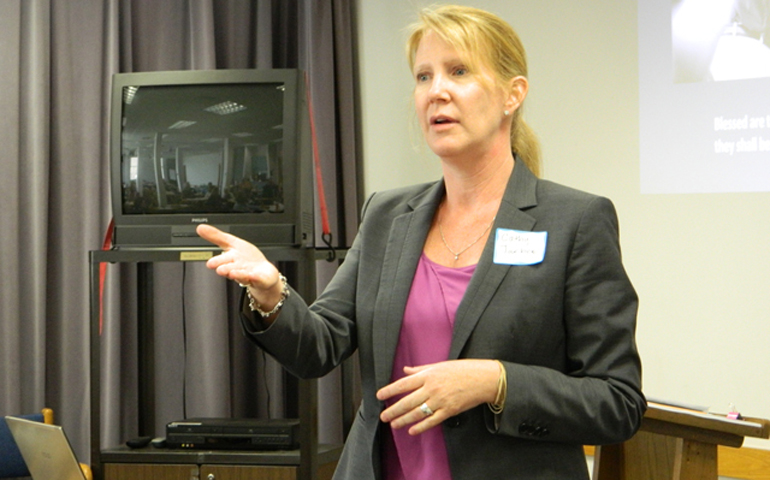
(457,254)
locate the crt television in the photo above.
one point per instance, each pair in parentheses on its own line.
(230,148)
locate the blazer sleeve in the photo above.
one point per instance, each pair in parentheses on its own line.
(310,341)
(597,398)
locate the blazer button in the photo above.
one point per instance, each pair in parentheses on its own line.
(526,429)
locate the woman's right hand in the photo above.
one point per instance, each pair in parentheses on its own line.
(244,263)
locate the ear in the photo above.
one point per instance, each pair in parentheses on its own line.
(518,88)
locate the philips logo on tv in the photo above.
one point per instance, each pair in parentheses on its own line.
(199,220)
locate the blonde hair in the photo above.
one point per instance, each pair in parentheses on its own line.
(482,37)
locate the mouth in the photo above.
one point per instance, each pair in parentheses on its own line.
(441,120)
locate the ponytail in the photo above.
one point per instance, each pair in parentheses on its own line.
(525,144)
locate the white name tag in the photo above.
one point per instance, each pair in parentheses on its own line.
(516,247)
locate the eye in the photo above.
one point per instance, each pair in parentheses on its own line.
(422,77)
(461,70)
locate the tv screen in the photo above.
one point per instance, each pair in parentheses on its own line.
(225,147)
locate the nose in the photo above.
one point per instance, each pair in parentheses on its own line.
(438,88)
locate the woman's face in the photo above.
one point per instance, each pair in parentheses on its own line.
(460,111)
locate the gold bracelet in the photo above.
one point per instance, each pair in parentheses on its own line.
(502,391)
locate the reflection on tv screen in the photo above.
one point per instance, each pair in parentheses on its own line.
(202,149)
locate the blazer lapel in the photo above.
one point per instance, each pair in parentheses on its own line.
(519,195)
(404,247)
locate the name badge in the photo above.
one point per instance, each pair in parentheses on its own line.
(516,247)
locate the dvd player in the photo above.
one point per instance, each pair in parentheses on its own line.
(233,434)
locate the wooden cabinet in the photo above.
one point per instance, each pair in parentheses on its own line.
(240,472)
(135,471)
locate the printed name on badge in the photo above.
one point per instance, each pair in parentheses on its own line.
(516,247)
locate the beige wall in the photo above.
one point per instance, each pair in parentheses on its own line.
(700,262)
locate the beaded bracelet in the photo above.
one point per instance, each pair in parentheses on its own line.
(255,307)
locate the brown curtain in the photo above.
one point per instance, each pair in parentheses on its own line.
(57,58)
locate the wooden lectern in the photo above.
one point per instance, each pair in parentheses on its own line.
(674,444)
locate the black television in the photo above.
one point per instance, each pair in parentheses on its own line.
(230,148)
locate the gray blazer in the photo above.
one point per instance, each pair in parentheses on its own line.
(563,328)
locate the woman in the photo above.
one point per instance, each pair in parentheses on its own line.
(493,317)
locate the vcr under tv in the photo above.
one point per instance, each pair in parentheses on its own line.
(233,434)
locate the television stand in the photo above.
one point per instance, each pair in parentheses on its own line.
(309,462)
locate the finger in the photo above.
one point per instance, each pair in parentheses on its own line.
(227,257)
(418,368)
(407,406)
(399,387)
(225,268)
(430,422)
(216,236)
(257,277)
(419,420)
(406,384)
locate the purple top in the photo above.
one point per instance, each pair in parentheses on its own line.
(426,335)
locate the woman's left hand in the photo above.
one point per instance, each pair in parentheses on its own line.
(447,388)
